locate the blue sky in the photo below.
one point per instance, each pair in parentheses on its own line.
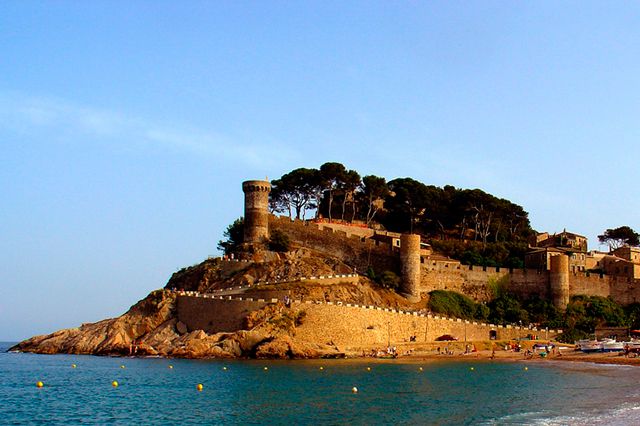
(126,128)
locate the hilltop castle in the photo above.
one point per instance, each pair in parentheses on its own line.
(556,268)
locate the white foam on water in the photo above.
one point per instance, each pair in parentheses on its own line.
(626,414)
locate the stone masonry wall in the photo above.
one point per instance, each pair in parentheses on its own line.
(214,315)
(348,326)
(474,281)
(350,248)
(354,327)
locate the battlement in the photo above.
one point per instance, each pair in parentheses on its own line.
(256,186)
(344,323)
(447,274)
(353,235)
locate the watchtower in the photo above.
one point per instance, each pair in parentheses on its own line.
(559,280)
(410,264)
(256,210)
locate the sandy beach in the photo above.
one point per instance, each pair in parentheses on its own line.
(457,352)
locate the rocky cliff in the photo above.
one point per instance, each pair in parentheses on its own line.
(151,328)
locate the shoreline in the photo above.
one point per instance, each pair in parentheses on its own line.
(610,358)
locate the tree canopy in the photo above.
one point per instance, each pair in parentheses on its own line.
(467,224)
(234,237)
(619,237)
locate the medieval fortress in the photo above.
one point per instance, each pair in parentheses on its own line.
(556,273)
(553,273)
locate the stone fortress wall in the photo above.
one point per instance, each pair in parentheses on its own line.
(347,325)
(352,249)
(353,326)
(476,282)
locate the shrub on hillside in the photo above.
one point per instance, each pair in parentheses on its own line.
(279,241)
(389,279)
(455,304)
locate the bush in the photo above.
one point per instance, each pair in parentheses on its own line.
(389,279)
(507,309)
(456,305)
(234,236)
(300,316)
(279,241)
(585,313)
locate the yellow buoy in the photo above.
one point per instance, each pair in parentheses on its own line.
(122,366)
(224,368)
(354,390)
(170,367)
(368,368)
(266,368)
(471,369)
(73,366)
(420,368)
(199,387)
(321,368)
(39,384)
(526,368)
(114,384)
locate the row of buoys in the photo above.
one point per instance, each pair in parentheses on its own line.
(199,386)
(321,368)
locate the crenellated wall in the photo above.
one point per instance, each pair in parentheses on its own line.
(352,249)
(346,325)
(479,282)
(476,282)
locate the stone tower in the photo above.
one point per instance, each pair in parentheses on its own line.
(410,263)
(559,280)
(256,210)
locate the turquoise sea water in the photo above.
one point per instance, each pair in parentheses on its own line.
(299,392)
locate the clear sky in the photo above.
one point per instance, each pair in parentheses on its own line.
(126,128)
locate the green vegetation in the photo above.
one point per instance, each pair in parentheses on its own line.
(234,236)
(618,237)
(279,241)
(456,305)
(579,321)
(466,224)
(503,254)
(585,313)
(387,279)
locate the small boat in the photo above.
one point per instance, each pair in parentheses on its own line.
(610,345)
(591,346)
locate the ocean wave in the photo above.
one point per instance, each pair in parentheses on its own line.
(626,414)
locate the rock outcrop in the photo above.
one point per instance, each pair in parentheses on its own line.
(151,327)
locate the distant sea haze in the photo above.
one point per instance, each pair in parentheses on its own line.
(150,391)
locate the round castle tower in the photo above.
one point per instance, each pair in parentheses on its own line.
(559,280)
(410,263)
(256,210)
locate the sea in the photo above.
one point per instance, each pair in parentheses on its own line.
(157,391)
